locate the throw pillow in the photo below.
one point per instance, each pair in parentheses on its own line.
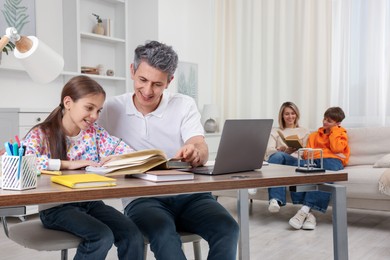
(383,162)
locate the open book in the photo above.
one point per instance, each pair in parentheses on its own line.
(291,140)
(164,175)
(139,162)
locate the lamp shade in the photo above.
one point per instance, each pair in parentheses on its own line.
(41,62)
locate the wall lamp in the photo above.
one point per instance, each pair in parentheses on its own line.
(41,63)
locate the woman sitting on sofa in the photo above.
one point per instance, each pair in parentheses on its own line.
(279,153)
(332,139)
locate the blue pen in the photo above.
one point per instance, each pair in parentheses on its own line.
(15,148)
(21,152)
(11,147)
(7,148)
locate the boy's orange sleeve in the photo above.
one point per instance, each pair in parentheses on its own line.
(334,145)
(338,139)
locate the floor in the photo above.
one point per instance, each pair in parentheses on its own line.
(272,238)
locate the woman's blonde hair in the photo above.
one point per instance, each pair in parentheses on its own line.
(282,123)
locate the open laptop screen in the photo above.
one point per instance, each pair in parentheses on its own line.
(242,146)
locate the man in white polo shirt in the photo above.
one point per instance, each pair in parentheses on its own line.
(154,118)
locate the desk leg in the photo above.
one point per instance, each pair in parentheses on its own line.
(243,221)
(339,208)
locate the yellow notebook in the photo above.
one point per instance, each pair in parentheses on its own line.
(85,180)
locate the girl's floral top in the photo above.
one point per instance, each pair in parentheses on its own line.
(91,144)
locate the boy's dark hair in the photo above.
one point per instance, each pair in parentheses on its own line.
(335,113)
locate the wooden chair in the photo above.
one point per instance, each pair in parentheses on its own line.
(185,238)
(31,234)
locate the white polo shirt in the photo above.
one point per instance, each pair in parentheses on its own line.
(175,120)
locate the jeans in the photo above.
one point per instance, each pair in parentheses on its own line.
(159,218)
(279,193)
(317,200)
(283,158)
(100,226)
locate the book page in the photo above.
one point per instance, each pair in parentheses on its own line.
(291,140)
(125,170)
(138,162)
(135,157)
(168,172)
(292,137)
(165,175)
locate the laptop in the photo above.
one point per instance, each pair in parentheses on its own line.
(242,147)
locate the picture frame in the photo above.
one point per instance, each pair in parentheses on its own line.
(187,79)
(18,14)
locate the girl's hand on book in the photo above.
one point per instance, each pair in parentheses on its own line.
(73,165)
(107,159)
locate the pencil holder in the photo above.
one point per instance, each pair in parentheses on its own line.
(12,178)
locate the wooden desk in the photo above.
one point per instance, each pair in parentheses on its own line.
(268,176)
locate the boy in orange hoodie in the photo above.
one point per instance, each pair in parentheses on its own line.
(333,140)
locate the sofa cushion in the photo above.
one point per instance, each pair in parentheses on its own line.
(363,182)
(383,162)
(368,144)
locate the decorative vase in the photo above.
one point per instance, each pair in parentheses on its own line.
(99,29)
(210,126)
(110,72)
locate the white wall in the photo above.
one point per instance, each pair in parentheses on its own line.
(187,25)
(17,89)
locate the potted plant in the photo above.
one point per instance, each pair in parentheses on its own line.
(10,46)
(98,29)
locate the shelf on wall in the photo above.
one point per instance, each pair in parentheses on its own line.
(94,76)
(115,1)
(71,73)
(99,37)
(83,48)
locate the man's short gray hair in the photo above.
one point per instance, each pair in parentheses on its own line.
(158,55)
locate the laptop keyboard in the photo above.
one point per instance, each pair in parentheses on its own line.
(203,169)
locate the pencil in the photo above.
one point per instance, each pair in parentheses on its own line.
(115,146)
(51,172)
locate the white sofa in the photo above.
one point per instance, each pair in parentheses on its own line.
(368,147)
